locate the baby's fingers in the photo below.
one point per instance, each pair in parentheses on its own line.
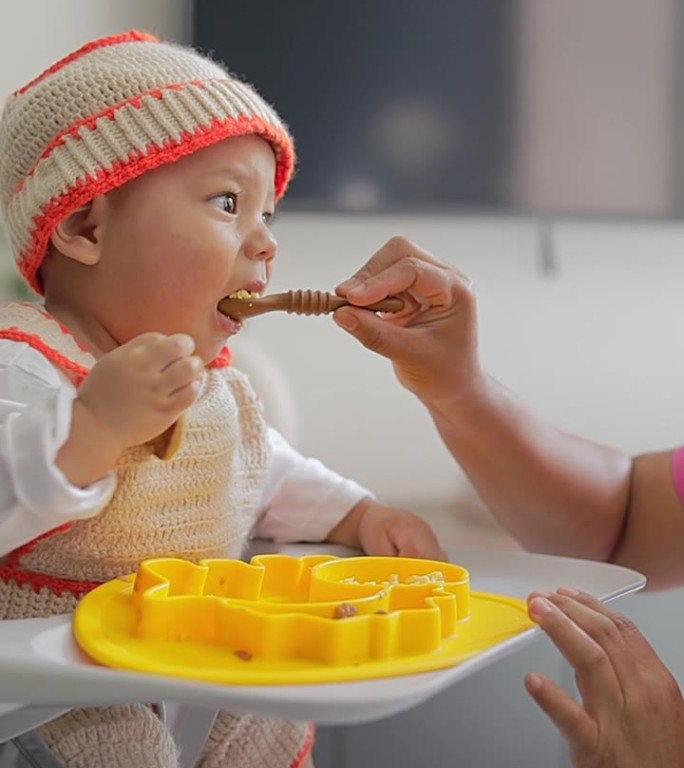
(159,351)
(182,373)
(377,542)
(417,542)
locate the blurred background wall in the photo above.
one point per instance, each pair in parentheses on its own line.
(536,106)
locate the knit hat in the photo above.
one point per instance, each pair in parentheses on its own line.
(113,109)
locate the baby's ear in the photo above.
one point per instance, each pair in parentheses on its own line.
(79,235)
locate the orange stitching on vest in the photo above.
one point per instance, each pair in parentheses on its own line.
(15,555)
(13,571)
(40,581)
(62,327)
(15,334)
(306,748)
(222,360)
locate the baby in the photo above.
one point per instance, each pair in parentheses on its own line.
(137,183)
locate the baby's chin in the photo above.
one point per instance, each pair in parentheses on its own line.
(213,353)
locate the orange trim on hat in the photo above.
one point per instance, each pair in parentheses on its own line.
(134,36)
(152,157)
(91,122)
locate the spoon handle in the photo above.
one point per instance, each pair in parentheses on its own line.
(299,302)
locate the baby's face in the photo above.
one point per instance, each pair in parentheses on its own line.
(180,238)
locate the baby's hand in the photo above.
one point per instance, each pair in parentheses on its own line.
(382,530)
(138,390)
(389,531)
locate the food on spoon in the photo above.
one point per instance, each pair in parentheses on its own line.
(241,295)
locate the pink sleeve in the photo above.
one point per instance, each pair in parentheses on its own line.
(678,472)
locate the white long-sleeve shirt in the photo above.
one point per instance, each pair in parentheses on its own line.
(302,501)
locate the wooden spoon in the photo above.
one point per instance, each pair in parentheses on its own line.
(299,303)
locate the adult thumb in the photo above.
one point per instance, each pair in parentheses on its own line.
(372,331)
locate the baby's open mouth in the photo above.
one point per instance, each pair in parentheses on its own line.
(240,295)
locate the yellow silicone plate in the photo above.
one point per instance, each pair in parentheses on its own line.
(285,620)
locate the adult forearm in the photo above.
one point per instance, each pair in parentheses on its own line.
(554,492)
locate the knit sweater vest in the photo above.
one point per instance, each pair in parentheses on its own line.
(202,503)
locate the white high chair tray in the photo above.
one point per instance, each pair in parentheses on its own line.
(40,663)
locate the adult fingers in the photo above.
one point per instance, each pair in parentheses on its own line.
(430,285)
(591,663)
(374,332)
(396,249)
(401,267)
(573,722)
(614,632)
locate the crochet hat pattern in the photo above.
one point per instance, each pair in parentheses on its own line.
(115,108)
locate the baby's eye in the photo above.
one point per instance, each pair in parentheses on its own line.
(227,202)
(268,217)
